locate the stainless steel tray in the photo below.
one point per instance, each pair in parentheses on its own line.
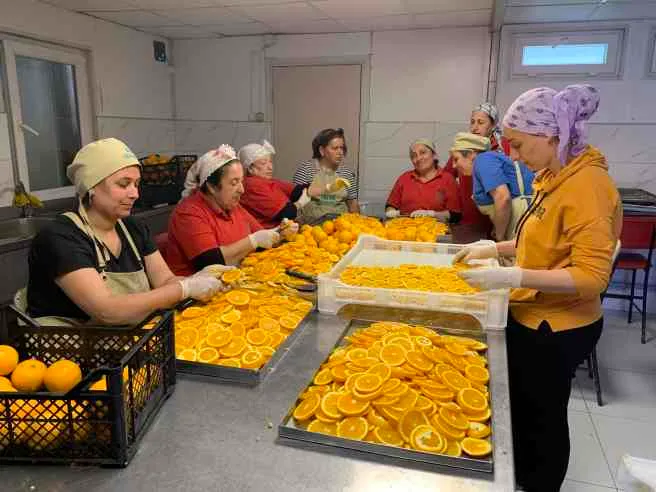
(238,375)
(288,429)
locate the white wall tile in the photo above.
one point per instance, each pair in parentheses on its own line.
(632,175)
(248,132)
(200,136)
(143,136)
(393,139)
(625,143)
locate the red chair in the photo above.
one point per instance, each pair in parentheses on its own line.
(638,232)
(162,241)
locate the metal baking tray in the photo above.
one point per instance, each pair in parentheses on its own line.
(288,429)
(238,375)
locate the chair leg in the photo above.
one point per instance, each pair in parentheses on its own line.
(645,286)
(633,281)
(595,370)
(589,362)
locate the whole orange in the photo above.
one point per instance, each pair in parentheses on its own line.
(28,375)
(62,376)
(8,359)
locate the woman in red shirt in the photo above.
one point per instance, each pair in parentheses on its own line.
(270,200)
(426,190)
(210,226)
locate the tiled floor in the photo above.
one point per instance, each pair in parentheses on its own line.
(626,423)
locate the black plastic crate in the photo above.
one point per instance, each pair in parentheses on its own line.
(152,195)
(183,162)
(84,426)
(159,174)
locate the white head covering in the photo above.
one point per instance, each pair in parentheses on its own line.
(207,165)
(248,154)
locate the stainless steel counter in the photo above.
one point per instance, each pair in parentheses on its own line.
(224,438)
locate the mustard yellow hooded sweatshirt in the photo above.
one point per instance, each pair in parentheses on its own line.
(573,223)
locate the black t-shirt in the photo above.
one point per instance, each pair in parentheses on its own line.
(60,248)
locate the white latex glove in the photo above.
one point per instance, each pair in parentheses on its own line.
(338,184)
(201,286)
(216,270)
(265,238)
(303,200)
(480,250)
(493,278)
(423,213)
(392,213)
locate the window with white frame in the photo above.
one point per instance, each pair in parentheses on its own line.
(588,54)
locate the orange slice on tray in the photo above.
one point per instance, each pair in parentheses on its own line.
(323,427)
(388,436)
(323,377)
(268,324)
(476,447)
(445,429)
(217,339)
(194,312)
(186,337)
(229,362)
(257,336)
(188,354)
(368,383)
(453,449)
(329,405)
(392,355)
(289,323)
(477,374)
(454,418)
(478,430)
(427,438)
(357,353)
(207,355)
(236,346)
(348,405)
(419,361)
(238,298)
(483,416)
(409,421)
(472,401)
(455,381)
(307,407)
(353,428)
(231,316)
(251,359)
(231,276)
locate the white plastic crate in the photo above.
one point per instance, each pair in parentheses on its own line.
(489,307)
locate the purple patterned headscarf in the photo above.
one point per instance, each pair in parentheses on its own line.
(543,111)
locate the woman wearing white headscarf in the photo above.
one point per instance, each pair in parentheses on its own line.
(270,200)
(210,226)
(98,264)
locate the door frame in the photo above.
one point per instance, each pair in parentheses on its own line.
(55,53)
(365,91)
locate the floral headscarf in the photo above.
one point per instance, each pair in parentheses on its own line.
(564,114)
(207,165)
(492,111)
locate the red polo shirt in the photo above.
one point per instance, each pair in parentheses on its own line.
(195,228)
(264,198)
(410,194)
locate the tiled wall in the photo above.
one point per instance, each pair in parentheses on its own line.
(197,137)
(143,135)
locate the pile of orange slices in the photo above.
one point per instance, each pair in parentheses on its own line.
(239,328)
(401,385)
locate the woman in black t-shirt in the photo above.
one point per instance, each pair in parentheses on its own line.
(98,264)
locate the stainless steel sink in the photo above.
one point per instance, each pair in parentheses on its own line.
(15,229)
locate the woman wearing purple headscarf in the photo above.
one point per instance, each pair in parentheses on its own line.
(564,247)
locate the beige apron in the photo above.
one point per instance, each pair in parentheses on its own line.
(519,205)
(326,203)
(118,283)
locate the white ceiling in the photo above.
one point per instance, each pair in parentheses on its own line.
(538,11)
(183,19)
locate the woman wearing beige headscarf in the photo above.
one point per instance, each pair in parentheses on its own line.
(99,264)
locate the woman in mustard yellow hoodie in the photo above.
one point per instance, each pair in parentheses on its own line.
(563,250)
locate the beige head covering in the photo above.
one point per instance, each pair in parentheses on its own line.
(469,141)
(424,141)
(97,161)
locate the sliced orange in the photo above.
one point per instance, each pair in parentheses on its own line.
(407,401)
(476,447)
(231,276)
(229,362)
(375,419)
(392,355)
(208,355)
(194,312)
(455,381)
(352,368)
(399,391)
(483,416)
(366,362)
(453,449)
(289,323)
(425,405)
(231,316)
(189,323)
(478,430)
(306,408)
(319,414)
(390,413)
(186,337)
(441,395)
(456,349)
(478,346)
(390,385)
(188,354)
(368,383)
(381,369)
(386,401)
(252,359)
(266,351)
(268,324)
(329,405)
(257,336)
(389,436)
(339,373)
(419,361)
(350,406)
(357,353)
(373,395)
(409,421)
(238,328)
(353,428)
(477,374)
(454,418)
(427,438)
(445,429)
(472,401)
(323,427)
(218,339)
(323,377)
(236,346)
(238,297)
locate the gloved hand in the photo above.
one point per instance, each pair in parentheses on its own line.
(338,184)
(423,213)
(493,278)
(201,286)
(216,270)
(392,213)
(480,250)
(264,238)
(288,228)
(303,200)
